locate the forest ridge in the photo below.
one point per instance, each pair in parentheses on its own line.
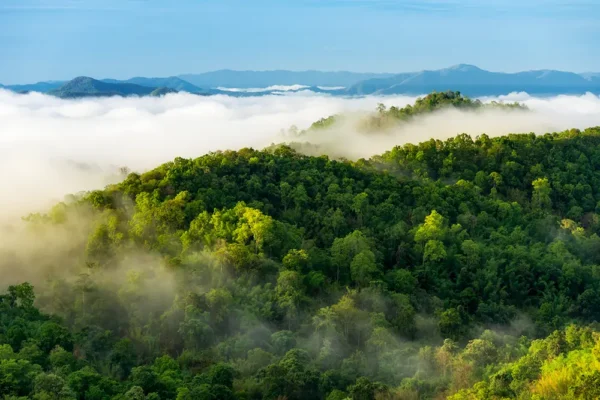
(464,269)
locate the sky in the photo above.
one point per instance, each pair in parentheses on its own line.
(61,39)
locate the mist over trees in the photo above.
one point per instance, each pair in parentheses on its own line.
(463,269)
(386,118)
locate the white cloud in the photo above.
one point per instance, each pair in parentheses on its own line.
(279,88)
(42,139)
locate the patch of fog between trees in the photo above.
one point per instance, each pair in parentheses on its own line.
(51,147)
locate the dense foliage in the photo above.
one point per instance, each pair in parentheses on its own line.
(566,365)
(430,271)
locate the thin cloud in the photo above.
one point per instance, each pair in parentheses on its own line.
(280,88)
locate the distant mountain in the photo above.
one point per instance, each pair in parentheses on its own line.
(474,81)
(260,79)
(172,82)
(88,87)
(42,87)
(591,76)
(468,79)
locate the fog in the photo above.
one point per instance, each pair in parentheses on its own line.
(51,147)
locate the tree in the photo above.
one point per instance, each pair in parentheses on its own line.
(221,374)
(364,268)
(360,204)
(540,198)
(291,377)
(17,377)
(123,357)
(282,341)
(451,324)
(62,361)
(52,334)
(432,229)
(347,317)
(219,302)
(402,314)
(364,389)
(290,292)
(401,281)
(434,251)
(51,386)
(471,251)
(135,393)
(296,260)
(481,352)
(345,249)
(21,295)
(253,226)
(146,378)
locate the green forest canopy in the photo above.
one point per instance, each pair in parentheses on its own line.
(466,268)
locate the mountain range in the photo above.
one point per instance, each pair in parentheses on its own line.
(468,79)
(260,79)
(474,81)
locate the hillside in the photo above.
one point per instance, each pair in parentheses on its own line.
(270,274)
(566,365)
(474,81)
(89,87)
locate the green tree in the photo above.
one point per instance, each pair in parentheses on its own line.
(345,249)
(363,268)
(541,194)
(290,293)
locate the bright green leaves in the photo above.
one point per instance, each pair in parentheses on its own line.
(432,229)
(540,199)
(155,223)
(244,226)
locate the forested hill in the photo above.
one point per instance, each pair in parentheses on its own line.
(391,117)
(423,273)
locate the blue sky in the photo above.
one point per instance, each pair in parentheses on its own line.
(60,39)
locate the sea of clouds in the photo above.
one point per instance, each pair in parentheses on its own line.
(51,147)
